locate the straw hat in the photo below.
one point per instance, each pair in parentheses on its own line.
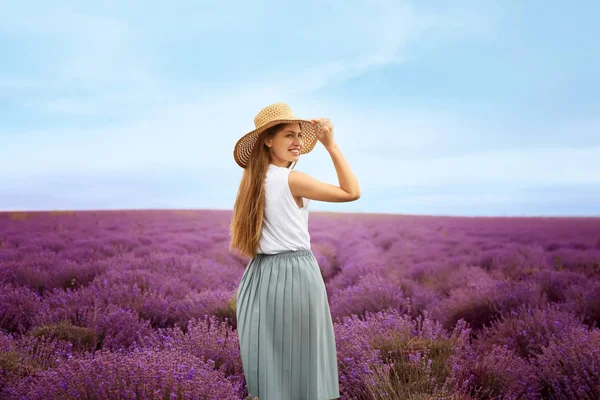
(267,117)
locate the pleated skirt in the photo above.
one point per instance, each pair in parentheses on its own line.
(285,329)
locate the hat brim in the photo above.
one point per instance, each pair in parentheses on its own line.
(243,148)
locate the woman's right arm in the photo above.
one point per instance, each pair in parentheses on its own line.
(303,185)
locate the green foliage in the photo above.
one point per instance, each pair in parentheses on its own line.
(82,338)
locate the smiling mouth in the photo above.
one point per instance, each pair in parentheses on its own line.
(296,152)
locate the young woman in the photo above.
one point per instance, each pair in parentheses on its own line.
(284,324)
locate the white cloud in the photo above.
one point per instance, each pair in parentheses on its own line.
(21,83)
(94,66)
(110,59)
(344,45)
(104,51)
(517,166)
(404,149)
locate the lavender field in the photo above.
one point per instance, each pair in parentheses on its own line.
(141,305)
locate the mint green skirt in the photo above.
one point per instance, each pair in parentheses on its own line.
(285,329)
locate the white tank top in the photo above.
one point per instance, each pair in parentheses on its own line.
(285,225)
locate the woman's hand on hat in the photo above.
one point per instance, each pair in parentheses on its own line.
(324,130)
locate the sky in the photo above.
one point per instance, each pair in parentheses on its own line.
(454,107)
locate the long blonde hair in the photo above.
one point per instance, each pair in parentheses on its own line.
(248,210)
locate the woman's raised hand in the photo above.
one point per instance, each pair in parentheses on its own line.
(324,130)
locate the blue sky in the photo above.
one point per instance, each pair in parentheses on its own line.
(441,107)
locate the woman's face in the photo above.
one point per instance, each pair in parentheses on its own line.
(286,144)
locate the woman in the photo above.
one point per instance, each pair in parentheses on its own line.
(283,320)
